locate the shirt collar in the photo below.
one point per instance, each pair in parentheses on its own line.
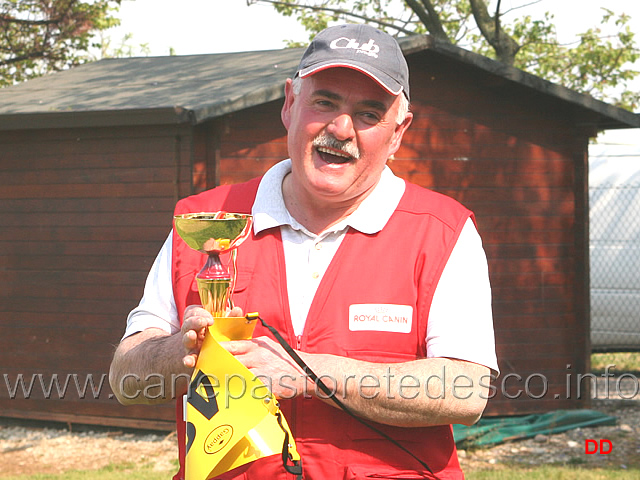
(372,215)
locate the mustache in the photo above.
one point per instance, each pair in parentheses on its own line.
(346,146)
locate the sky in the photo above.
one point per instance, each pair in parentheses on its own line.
(205,26)
(218,26)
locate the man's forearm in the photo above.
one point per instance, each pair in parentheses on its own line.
(426,392)
(147,368)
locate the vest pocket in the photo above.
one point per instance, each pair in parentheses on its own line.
(363,472)
(243,280)
(400,434)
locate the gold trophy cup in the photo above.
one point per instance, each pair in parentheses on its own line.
(215,233)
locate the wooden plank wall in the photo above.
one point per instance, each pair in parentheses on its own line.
(255,140)
(517,162)
(83,214)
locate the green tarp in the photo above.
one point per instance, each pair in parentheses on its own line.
(491,431)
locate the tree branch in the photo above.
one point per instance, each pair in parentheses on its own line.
(337,11)
(496,17)
(506,47)
(435,18)
(22,58)
(521,6)
(429,17)
(6,19)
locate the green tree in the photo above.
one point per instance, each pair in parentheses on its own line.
(41,36)
(598,64)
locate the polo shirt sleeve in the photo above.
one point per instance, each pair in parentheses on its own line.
(157,309)
(460,319)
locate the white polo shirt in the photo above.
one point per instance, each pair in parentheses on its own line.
(456,329)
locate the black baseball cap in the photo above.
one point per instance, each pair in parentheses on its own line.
(360,47)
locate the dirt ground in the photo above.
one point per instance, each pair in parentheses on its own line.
(35,448)
(28,449)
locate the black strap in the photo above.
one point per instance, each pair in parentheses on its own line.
(327,391)
(296,467)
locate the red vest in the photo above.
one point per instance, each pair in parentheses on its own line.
(400,265)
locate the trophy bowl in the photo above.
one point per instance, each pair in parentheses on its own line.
(213,232)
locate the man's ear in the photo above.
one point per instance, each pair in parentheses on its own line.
(285,114)
(399,133)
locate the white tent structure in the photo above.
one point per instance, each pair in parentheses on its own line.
(614,196)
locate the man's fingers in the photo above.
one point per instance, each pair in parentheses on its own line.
(236,312)
(196,318)
(189,360)
(232,347)
(195,310)
(190,339)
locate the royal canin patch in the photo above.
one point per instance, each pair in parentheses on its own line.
(380,317)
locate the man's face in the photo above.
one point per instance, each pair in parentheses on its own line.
(342,128)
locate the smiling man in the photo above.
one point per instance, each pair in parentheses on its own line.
(339,140)
(381,286)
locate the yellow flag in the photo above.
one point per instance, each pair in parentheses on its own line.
(232,418)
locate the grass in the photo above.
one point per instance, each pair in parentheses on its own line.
(130,471)
(623,361)
(554,472)
(544,472)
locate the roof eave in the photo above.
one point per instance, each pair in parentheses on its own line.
(611,117)
(98,118)
(134,117)
(268,93)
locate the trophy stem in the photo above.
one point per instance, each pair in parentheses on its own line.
(214,282)
(214,233)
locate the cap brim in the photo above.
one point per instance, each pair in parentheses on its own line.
(385,81)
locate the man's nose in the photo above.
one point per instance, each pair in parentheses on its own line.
(342,127)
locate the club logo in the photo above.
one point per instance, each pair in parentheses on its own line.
(218,439)
(369,48)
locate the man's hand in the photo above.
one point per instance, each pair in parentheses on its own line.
(268,361)
(196,321)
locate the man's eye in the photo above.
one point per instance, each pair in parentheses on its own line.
(370,116)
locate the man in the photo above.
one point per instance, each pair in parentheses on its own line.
(381,286)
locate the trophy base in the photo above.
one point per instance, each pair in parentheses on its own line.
(232,328)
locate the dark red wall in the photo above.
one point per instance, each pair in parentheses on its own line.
(83,213)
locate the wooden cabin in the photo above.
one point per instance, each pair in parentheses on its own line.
(93,159)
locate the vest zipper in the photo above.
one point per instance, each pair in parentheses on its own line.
(294,404)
